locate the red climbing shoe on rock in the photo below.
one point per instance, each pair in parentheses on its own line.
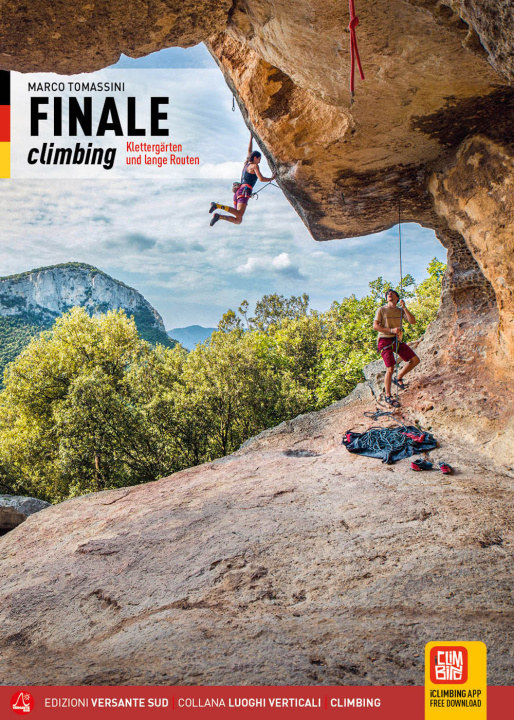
(421,465)
(445,468)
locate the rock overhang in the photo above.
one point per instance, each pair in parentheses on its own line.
(438,74)
(430,83)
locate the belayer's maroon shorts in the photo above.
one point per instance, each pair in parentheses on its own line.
(386,346)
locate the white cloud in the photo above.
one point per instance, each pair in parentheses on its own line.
(267,266)
(265,263)
(253,264)
(228,170)
(155,234)
(282,261)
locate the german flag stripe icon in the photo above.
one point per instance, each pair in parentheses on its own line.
(5,124)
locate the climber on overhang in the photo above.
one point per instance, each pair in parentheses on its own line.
(242,190)
(388,323)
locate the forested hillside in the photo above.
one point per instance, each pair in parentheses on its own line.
(89,405)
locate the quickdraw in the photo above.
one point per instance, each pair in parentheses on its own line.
(256,194)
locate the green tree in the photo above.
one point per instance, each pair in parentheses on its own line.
(272,309)
(229,321)
(294,347)
(233,391)
(67,421)
(379,287)
(349,344)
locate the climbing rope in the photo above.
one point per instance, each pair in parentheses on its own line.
(354,50)
(381,413)
(400,240)
(377,438)
(389,443)
(401,291)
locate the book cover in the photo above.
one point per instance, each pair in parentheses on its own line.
(199,514)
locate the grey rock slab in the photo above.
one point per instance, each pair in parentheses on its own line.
(14,509)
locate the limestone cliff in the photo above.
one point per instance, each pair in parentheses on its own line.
(50,291)
(31,301)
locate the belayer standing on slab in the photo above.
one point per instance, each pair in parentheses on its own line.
(388,324)
(243,190)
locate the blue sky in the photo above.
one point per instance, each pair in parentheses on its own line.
(155,234)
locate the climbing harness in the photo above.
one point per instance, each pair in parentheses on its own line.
(247,190)
(354,50)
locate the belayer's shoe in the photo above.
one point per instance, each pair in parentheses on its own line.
(390,400)
(421,465)
(445,468)
(212,207)
(215,219)
(400,383)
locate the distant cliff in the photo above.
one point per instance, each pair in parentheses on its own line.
(31,301)
(51,291)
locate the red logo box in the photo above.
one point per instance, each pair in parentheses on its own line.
(448,665)
(22,702)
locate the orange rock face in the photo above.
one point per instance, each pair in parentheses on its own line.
(73,37)
(475,194)
(291,562)
(424,92)
(430,96)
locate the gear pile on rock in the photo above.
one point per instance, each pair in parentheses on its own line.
(389,443)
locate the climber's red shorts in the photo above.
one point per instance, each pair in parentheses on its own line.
(386,347)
